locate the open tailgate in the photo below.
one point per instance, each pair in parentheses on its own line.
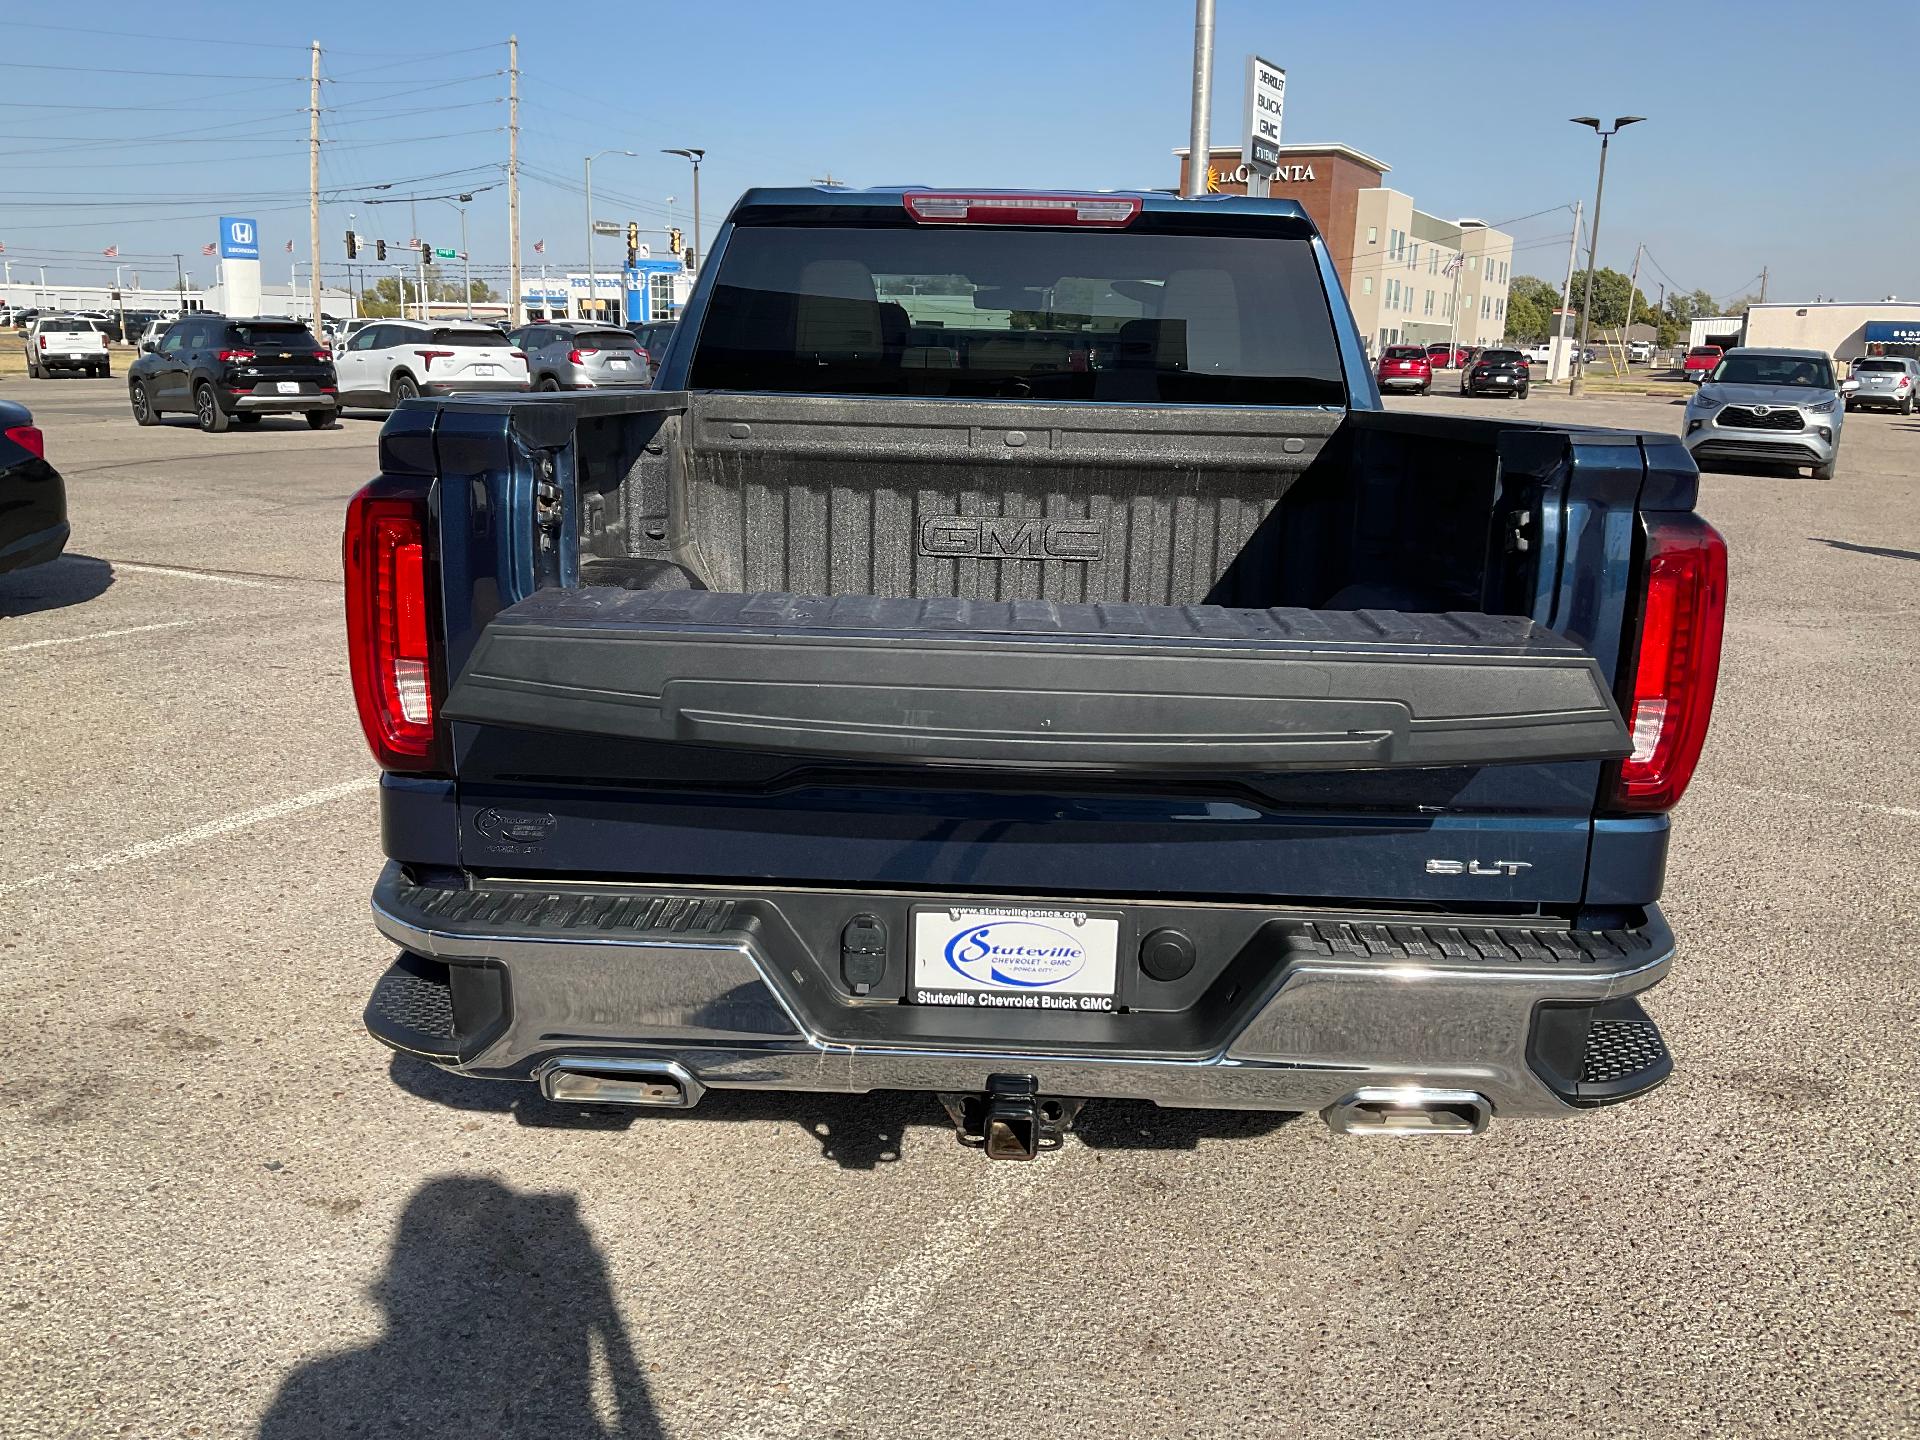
(1041,684)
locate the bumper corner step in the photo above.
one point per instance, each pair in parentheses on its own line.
(1600,1054)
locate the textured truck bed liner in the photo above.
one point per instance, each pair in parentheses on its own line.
(1037,683)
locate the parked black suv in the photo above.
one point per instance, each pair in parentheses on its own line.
(221,370)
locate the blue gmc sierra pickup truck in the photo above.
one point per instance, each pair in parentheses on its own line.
(1012,654)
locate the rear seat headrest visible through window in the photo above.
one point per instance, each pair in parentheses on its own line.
(1209,304)
(838,310)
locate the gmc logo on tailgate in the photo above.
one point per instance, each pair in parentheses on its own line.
(1009,537)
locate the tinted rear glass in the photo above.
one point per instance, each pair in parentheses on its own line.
(605,340)
(1879,365)
(1705,350)
(469,339)
(1122,315)
(294,338)
(1405,352)
(1500,357)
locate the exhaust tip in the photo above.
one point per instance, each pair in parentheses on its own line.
(644,1084)
(1409,1110)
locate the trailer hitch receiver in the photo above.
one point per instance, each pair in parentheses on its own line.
(1010,1120)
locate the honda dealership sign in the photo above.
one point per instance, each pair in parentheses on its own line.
(1266,101)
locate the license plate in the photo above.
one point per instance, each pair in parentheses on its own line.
(288,387)
(1014,958)
(618,364)
(483,369)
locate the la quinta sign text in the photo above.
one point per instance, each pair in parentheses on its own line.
(1240,174)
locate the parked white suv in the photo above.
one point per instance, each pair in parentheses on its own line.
(394,360)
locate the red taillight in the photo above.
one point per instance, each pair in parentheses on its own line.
(389,630)
(43,342)
(573,356)
(28,437)
(429,356)
(323,354)
(225,355)
(1098,210)
(646,355)
(1677,660)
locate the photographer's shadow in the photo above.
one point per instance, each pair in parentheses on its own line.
(500,1321)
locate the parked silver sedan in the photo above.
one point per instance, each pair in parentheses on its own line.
(582,355)
(1769,407)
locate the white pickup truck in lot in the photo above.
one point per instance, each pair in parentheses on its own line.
(64,342)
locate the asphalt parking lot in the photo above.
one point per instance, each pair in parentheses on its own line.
(226,1212)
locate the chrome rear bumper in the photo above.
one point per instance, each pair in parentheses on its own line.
(722,985)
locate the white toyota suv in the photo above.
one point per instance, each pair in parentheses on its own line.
(394,360)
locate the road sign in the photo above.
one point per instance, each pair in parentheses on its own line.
(239,239)
(1266,100)
(440,254)
(606,227)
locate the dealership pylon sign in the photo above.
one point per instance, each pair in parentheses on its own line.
(1266,103)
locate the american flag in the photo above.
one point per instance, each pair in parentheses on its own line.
(289,247)
(539,247)
(112,252)
(208,249)
(3,249)
(1453,265)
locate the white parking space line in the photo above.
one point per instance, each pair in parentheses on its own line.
(206,575)
(96,635)
(199,834)
(800,1404)
(1898,812)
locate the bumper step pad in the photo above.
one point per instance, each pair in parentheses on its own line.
(411,1009)
(1598,1054)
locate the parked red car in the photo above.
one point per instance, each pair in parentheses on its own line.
(1700,361)
(1447,357)
(1405,367)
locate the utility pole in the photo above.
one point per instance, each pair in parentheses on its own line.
(516,314)
(313,186)
(1763,284)
(180,279)
(1199,146)
(1633,289)
(1566,298)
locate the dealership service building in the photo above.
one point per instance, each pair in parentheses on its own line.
(1411,277)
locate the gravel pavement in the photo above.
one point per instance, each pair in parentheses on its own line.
(225,1212)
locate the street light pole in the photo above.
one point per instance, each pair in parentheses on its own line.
(694,155)
(1578,385)
(593,279)
(1199,150)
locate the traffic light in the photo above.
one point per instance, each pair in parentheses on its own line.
(673,241)
(353,246)
(426,253)
(633,243)
(380,249)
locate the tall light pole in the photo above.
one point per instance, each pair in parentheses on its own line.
(1578,385)
(695,156)
(593,279)
(1199,151)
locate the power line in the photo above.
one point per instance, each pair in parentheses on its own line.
(175,39)
(164,74)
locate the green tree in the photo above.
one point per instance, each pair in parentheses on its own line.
(1531,302)
(1525,320)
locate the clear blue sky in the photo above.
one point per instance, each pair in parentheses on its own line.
(1745,160)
